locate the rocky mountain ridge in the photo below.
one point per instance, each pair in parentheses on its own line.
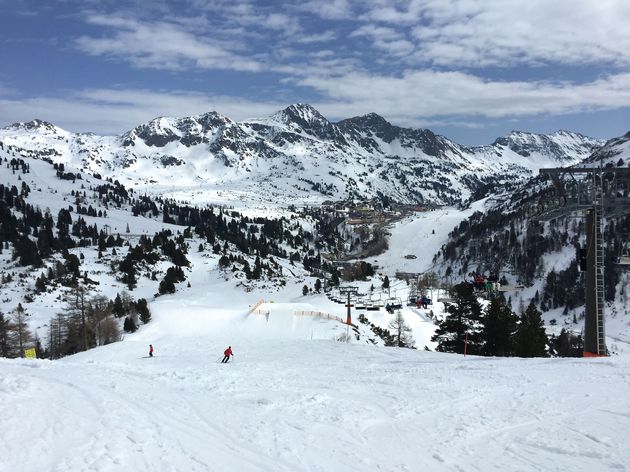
(297,153)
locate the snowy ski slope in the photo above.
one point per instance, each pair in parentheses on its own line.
(291,403)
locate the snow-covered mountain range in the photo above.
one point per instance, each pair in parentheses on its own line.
(615,152)
(299,154)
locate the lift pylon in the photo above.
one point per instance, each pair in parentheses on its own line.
(600,192)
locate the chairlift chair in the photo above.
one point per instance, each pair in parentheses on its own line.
(371,305)
(394,302)
(447,300)
(510,288)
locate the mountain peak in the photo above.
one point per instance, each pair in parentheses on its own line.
(563,146)
(371,120)
(301,107)
(211,115)
(34,125)
(302,118)
(300,113)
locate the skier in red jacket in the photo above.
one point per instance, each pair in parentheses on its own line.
(150,350)
(227,353)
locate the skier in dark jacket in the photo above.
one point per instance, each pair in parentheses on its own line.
(227,353)
(150,350)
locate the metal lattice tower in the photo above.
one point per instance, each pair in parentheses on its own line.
(600,192)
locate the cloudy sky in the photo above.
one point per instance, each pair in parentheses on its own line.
(469,69)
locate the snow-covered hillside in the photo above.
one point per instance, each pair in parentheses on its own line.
(616,152)
(417,238)
(297,153)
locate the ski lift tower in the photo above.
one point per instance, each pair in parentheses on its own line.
(597,193)
(348,290)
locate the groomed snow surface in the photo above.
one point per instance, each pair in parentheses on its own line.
(295,399)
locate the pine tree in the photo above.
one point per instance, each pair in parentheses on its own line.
(462,322)
(257,272)
(21,333)
(40,284)
(6,328)
(567,344)
(224,262)
(27,252)
(166,286)
(531,339)
(386,282)
(401,332)
(128,270)
(247,269)
(318,285)
(499,326)
(143,310)
(118,309)
(129,326)
(305,290)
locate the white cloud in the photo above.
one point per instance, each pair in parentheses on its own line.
(404,12)
(329,9)
(161,45)
(279,21)
(384,33)
(386,39)
(112,111)
(399,47)
(425,94)
(482,33)
(426,98)
(251,17)
(317,37)
(447,34)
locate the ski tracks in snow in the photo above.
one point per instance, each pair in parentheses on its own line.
(111,422)
(311,406)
